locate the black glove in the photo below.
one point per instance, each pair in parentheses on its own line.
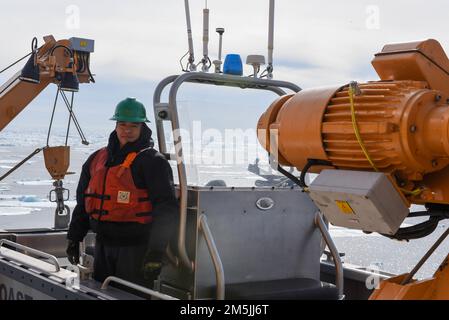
(73,252)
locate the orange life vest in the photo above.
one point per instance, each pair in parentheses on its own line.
(112,195)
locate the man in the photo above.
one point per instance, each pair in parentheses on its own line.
(126,196)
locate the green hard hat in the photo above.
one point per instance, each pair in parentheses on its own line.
(130,110)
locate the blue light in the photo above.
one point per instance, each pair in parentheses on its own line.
(233,65)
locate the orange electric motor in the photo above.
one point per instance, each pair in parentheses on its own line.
(402,122)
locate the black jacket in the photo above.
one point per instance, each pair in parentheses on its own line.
(150,170)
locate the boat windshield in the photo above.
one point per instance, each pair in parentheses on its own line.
(219,138)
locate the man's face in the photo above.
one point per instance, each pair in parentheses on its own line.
(128,131)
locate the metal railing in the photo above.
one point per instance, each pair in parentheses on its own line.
(339,281)
(26,250)
(136,287)
(213,251)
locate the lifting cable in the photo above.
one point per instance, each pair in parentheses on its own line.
(33,49)
(72,116)
(21,163)
(52,115)
(35,151)
(70,119)
(14,63)
(10,84)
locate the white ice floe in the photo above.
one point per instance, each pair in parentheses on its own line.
(15,197)
(35,182)
(12,208)
(29,199)
(243,174)
(16,211)
(25,204)
(8,161)
(40,182)
(339,232)
(40,204)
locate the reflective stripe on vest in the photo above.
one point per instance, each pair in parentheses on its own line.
(112,195)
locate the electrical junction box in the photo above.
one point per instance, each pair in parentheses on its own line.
(361,200)
(82,45)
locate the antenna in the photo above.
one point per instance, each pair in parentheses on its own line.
(191,64)
(270,41)
(218,62)
(220,31)
(205,61)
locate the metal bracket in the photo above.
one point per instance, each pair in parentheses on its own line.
(62,212)
(162,112)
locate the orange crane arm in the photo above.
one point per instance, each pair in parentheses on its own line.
(18,94)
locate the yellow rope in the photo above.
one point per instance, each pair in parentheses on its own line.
(356,129)
(411,193)
(362,145)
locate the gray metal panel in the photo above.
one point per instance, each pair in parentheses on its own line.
(54,243)
(376,204)
(257,245)
(51,242)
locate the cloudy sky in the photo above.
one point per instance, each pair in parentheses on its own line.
(139,42)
